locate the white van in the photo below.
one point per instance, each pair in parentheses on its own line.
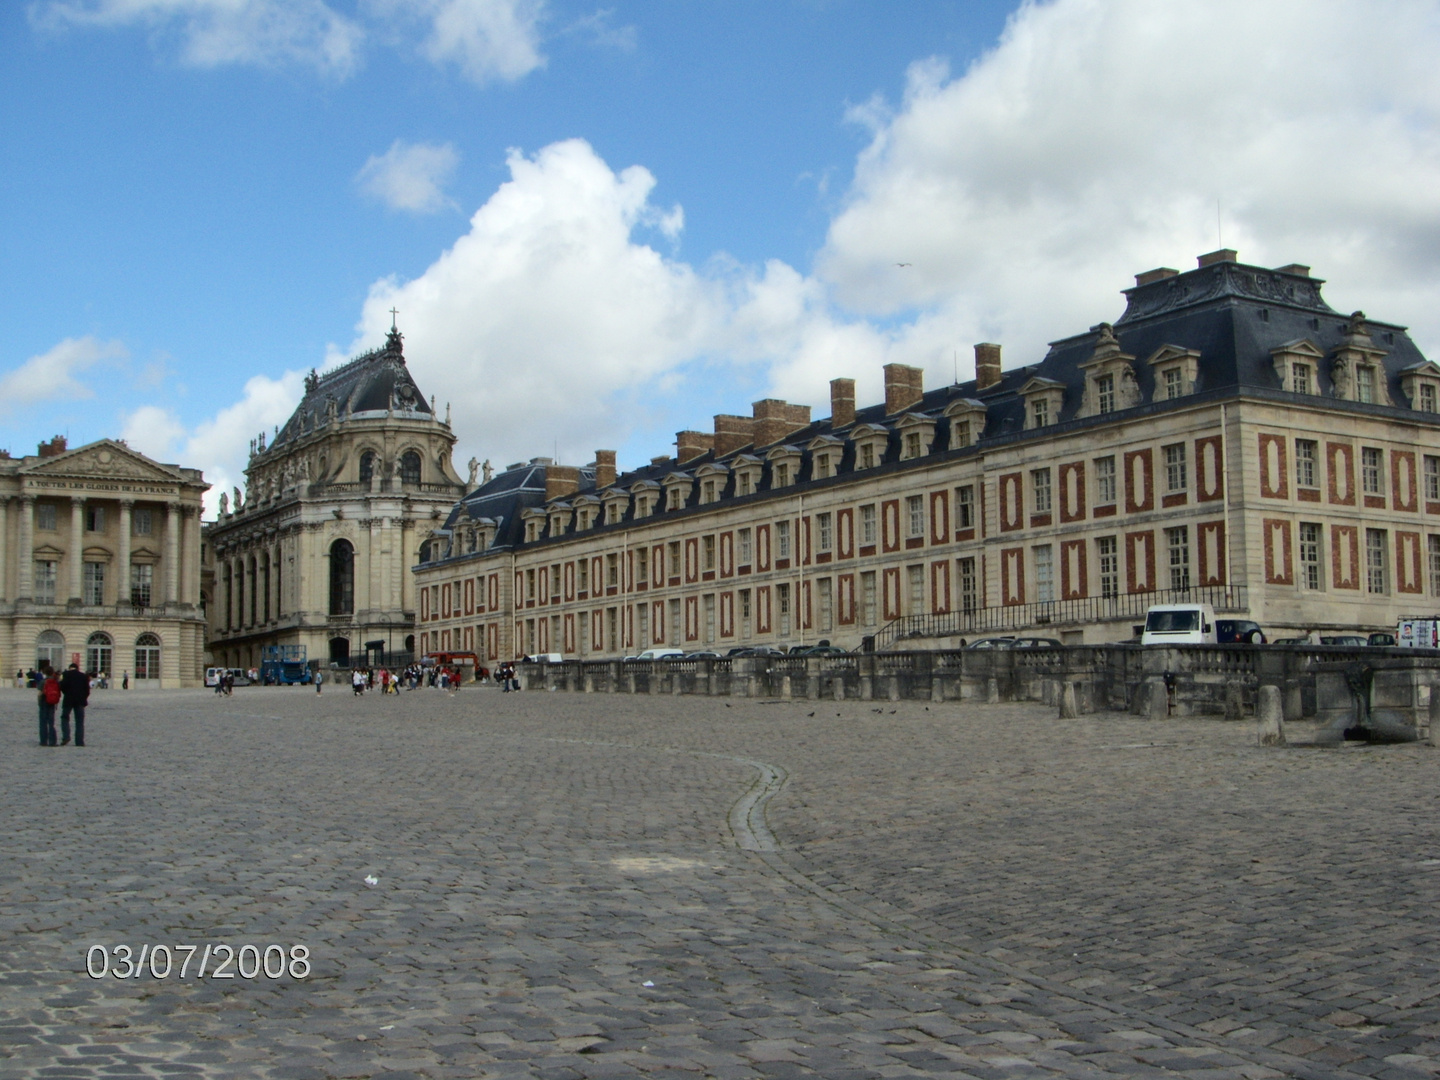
(1179,624)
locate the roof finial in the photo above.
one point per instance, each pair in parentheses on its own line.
(393,313)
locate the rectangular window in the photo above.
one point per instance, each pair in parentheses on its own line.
(675,627)
(1175,472)
(674,558)
(1300,378)
(1427,397)
(781,475)
(969,586)
(554,587)
(962,434)
(867,597)
(912,444)
(642,569)
(142,583)
(142,523)
(743,483)
(915,515)
(45,517)
(1178,541)
(867,456)
(94,581)
(1432,478)
(1364,383)
(709,604)
(1310,555)
(782,604)
(825,530)
(782,539)
(1105,393)
(1109,560)
(642,625)
(1372,463)
(827,604)
(94,519)
(822,466)
(707,548)
(1433,543)
(45,581)
(582,575)
(1307,453)
(745,553)
(612,570)
(707,492)
(675,498)
(529,584)
(1044,574)
(965,507)
(1040,483)
(745,613)
(1173,385)
(1376,577)
(1040,410)
(1104,481)
(867,525)
(916,575)
(612,619)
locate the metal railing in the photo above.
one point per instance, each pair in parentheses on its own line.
(1050,613)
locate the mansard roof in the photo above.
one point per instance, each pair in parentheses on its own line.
(373,383)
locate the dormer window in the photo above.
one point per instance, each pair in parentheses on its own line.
(1174,383)
(912,444)
(822,466)
(1040,413)
(1300,379)
(1176,370)
(782,474)
(642,506)
(612,514)
(961,431)
(707,491)
(917,434)
(1296,366)
(867,456)
(1427,397)
(743,484)
(870,442)
(1365,383)
(1042,398)
(676,499)
(532,531)
(967,422)
(1105,393)
(1356,372)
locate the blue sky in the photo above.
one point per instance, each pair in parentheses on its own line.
(605,224)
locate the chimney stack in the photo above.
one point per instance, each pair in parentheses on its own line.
(560,481)
(604,469)
(690,445)
(842,403)
(904,387)
(54,448)
(1224,255)
(987,365)
(774,419)
(732,433)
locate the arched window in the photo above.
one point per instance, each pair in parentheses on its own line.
(99,653)
(50,649)
(410,643)
(147,657)
(367,466)
(342,578)
(339,650)
(410,467)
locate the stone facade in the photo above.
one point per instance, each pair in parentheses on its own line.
(1230,439)
(100,564)
(318,550)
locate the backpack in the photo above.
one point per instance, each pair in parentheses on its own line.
(52,692)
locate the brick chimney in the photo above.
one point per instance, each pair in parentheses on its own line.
(987,365)
(692,444)
(1224,255)
(904,387)
(604,468)
(732,433)
(1149,277)
(54,448)
(842,403)
(560,481)
(774,419)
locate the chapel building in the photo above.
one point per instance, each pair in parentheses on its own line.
(1229,439)
(317,552)
(100,564)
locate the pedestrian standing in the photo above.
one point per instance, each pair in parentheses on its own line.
(49,697)
(125,681)
(75,693)
(357,682)
(319,680)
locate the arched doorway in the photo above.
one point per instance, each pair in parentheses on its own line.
(342,578)
(147,659)
(99,654)
(340,651)
(50,650)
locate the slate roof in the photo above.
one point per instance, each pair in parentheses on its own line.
(372,383)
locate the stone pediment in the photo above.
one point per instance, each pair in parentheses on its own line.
(105,458)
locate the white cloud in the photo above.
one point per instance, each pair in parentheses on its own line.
(1094,141)
(153,431)
(218,32)
(485,39)
(410,176)
(55,374)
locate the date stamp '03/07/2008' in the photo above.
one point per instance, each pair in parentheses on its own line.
(215,961)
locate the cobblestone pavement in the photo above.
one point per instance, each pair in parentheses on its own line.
(611,886)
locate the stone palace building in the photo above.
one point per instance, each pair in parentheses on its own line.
(318,551)
(1230,439)
(100,564)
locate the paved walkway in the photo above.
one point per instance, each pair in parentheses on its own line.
(611,886)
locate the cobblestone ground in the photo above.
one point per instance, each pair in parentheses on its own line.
(610,886)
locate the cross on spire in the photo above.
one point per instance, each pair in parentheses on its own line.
(393,313)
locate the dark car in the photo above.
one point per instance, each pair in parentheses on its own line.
(1246,630)
(1344,639)
(1380,639)
(1004,642)
(1034,643)
(757,650)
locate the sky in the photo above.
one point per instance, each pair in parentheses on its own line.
(604,224)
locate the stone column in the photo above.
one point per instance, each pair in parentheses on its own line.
(122,559)
(25,550)
(4,523)
(172,552)
(76,554)
(190,556)
(277,580)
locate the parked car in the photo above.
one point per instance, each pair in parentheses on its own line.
(1034,643)
(1245,630)
(703,654)
(1381,639)
(657,654)
(757,650)
(1351,640)
(1290,641)
(823,649)
(992,642)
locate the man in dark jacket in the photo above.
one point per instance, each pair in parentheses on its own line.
(74,696)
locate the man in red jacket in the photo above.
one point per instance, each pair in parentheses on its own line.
(48,697)
(75,692)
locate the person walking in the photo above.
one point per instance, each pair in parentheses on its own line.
(48,697)
(75,693)
(357,682)
(319,680)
